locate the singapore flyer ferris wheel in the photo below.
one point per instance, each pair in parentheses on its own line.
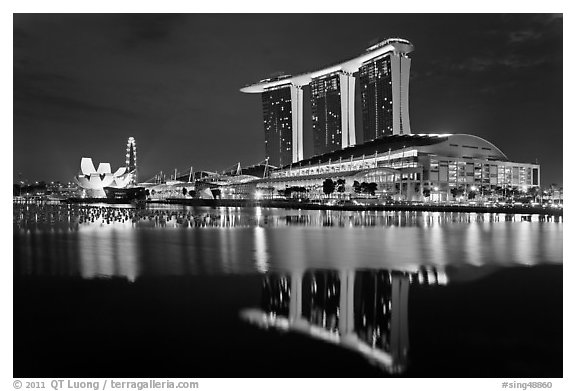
(131,159)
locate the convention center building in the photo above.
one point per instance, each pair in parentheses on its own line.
(423,167)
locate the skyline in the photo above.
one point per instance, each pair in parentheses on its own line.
(172,82)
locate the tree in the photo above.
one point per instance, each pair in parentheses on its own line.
(499,191)
(455,192)
(534,192)
(341,185)
(328,186)
(357,187)
(184,191)
(371,188)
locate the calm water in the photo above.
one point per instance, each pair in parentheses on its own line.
(203,292)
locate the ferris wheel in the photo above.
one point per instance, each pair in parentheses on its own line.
(131,162)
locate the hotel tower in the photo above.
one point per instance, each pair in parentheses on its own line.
(382,75)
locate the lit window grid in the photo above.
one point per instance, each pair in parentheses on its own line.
(277,110)
(484,173)
(326,114)
(458,172)
(376,96)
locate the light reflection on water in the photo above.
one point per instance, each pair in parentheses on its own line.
(365,311)
(345,278)
(90,242)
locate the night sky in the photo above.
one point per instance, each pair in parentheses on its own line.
(84,83)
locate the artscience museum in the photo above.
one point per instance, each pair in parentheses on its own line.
(93,181)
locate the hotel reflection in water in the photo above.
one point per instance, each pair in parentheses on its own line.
(364,310)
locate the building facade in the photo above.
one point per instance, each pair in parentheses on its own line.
(376,93)
(326,114)
(394,162)
(410,168)
(277,109)
(384,93)
(382,71)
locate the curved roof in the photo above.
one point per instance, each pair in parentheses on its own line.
(90,178)
(351,65)
(381,145)
(87,166)
(450,145)
(466,145)
(104,168)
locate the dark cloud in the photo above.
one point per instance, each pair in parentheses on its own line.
(62,108)
(523,36)
(510,41)
(149,29)
(510,60)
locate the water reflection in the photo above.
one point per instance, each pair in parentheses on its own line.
(343,277)
(110,241)
(54,218)
(364,310)
(261,252)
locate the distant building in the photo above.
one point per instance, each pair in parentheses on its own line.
(93,180)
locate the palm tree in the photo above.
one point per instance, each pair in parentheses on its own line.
(328,186)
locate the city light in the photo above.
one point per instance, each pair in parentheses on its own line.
(258,195)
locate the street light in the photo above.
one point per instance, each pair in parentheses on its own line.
(473,190)
(436,192)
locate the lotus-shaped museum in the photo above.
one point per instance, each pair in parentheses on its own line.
(95,180)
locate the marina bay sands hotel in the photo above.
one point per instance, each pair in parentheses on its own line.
(403,165)
(382,75)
